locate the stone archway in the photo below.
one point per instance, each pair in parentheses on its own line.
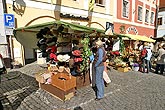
(95,23)
(39,18)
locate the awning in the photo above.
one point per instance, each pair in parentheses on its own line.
(27,35)
(76,27)
(138,37)
(159,39)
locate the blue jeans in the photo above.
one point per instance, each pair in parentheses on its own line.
(99,82)
(146,63)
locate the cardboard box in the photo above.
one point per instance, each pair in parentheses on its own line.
(123,69)
(40,78)
(58,93)
(63,81)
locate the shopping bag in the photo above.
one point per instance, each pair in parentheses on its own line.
(106,77)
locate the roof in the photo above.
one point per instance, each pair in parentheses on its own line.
(72,26)
(27,35)
(138,37)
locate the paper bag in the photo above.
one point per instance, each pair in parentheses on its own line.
(106,77)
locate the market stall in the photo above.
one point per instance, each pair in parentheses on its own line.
(65,48)
(127,56)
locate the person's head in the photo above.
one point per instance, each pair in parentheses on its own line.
(99,43)
(145,44)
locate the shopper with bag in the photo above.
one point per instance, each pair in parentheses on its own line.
(99,68)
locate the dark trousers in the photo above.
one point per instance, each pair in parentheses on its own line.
(160,67)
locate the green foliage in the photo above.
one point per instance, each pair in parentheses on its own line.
(122,46)
(86,53)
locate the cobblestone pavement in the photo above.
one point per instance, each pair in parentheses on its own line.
(127,91)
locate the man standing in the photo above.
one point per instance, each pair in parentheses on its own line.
(99,68)
(147,58)
(160,64)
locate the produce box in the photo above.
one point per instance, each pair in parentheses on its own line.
(41,77)
(123,69)
(58,93)
(63,81)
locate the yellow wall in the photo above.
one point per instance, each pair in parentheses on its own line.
(30,13)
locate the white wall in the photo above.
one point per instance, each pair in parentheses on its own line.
(161,28)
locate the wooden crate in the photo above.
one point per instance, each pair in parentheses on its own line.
(63,81)
(58,93)
(121,69)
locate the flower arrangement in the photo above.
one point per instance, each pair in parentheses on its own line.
(135,65)
(120,63)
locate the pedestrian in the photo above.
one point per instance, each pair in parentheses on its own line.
(99,68)
(147,58)
(160,64)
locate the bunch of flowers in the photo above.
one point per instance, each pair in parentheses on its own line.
(135,65)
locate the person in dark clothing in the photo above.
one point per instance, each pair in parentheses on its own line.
(42,43)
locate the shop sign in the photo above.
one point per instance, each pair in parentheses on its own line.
(132,29)
(73,17)
(9,20)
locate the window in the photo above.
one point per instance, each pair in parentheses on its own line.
(140,11)
(160,21)
(152,18)
(125,8)
(99,2)
(147,16)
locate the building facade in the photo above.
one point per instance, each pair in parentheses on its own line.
(31,12)
(136,17)
(161,20)
(126,16)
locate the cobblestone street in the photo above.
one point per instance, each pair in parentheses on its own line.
(127,91)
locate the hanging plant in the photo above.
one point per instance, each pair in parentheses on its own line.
(122,46)
(86,53)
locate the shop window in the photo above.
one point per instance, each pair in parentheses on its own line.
(125,8)
(160,21)
(140,11)
(152,18)
(147,16)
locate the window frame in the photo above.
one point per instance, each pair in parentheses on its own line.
(99,4)
(141,13)
(127,10)
(147,16)
(152,18)
(159,21)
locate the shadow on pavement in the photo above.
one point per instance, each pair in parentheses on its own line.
(14,88)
